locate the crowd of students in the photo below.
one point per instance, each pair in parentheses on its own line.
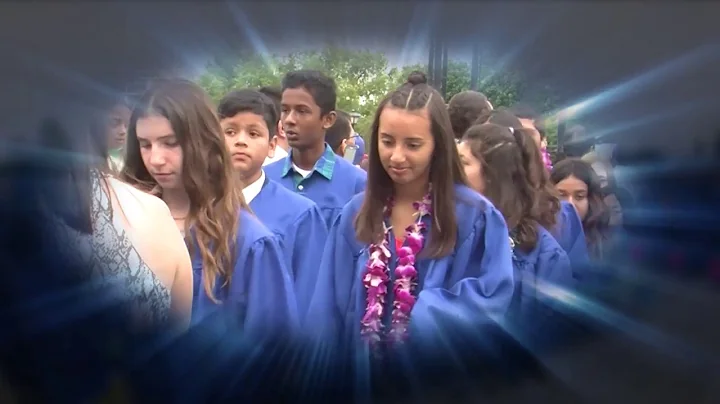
(251,209)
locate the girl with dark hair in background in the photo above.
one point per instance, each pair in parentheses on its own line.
(177,150)
(418,252)
(110,128)
(580,186)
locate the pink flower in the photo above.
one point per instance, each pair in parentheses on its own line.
(404,251)
(376,294)
(379,251)
(404,283)
(415,242)
(376,279)
(405,271)
(404,296)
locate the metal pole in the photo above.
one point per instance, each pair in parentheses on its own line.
(561,132)
(475,68)
(444,73)
(431,61)
(437,64)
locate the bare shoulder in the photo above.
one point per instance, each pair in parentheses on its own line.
(149,201)
(150,218)
(147,213)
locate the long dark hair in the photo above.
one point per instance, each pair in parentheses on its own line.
(445,169)
(515,179)
(75,151)
(597,221)
(208,176)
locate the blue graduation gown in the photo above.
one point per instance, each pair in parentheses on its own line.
(532,316)
(332,183)
(467,287)
(301,231)
(260,299)
(570,235)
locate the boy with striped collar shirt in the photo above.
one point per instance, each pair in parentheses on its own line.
(311,168)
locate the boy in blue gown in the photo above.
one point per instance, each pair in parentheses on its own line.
(312,169)
(260,299)
(247,118)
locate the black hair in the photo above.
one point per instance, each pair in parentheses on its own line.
(465,108)
(597,221)
(524,111)
(503,117)
(252,101)
(340,131)
(275,94)
(320,86)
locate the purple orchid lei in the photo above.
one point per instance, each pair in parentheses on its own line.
(376,279)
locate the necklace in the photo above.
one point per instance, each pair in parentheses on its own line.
(376,280)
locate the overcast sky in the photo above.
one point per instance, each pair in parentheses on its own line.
(636,58)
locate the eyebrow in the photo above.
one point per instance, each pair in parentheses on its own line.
(408,138)
(165,137)
(299,105)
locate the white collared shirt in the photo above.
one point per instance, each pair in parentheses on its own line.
(280,154)
(252,190)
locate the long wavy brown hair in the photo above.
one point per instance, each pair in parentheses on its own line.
(516,181)
(445,170)
(208,177)
(597,221)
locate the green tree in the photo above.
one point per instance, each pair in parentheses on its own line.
(363,78)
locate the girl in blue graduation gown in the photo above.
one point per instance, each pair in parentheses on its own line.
(579,186)
(569,233)
(418,251)
(176,149)
(505,165)
(567,228)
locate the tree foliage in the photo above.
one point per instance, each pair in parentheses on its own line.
(364,77)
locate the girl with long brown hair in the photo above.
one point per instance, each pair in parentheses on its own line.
(176,149)
(418,251)
(568,229)
(580,186)
(504,165)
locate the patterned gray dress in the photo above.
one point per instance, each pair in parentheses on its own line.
(114,263)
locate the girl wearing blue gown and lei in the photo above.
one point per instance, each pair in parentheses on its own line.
(418,254)
(176,149)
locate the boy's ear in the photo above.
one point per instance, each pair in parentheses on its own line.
(329,120)
(280,131)
(273,144)
(343,146)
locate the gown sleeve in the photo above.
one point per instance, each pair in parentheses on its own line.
(271,304)
(572,239)
(308,237)
(542,316)
(486,287)
(328,308)
(361,182)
